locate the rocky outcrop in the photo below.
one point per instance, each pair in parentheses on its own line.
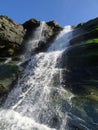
(80,72)
(79,63)
(80,59)
(46,38)
(49,31)
(90,23)
(85,31)
(11,36)
(31,24)
(9,71)
(30,27)
(8,74)
(13,40)
(55,26)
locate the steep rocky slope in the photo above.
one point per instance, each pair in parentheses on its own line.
(80,71)
(79,63)
(13,40)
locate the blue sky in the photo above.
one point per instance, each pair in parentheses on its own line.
(65,12)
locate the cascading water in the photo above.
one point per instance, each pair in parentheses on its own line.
(37,36)
(38,101)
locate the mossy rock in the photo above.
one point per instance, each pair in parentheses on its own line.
(8,74)
(87,110)
(89,24)
(79,65)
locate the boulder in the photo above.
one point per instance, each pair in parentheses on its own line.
(55,26)
(8,76)
(11,36)
(30,27)
(31,24)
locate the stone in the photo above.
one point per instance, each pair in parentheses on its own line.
(30,27)
(45,39)
(13,39)
(79,65)
(11,36)
(50,30)
(31,24)
(8,75)
(54,25)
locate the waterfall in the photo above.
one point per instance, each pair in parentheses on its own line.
(38,100)
(34,40)
(38,36)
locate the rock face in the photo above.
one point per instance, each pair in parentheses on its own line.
(55,26)
(80,72)
(32,24)
(11,39)
(49,31)
(48,34)
(11,36)
(8,74)
(30,27)
(79,63)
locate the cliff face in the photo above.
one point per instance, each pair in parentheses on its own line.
(80,71)
(13,40)
(11,36)
(79,63)
(50,30)
(82,51)
(82,55)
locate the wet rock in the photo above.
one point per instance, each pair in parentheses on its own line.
(80,69)
(51,30)
(80,73)
(8,74)
(46,33)
(45,40)
(80,59)
(13,38)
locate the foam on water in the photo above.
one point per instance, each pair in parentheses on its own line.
(38,101)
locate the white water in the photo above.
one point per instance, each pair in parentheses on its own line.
(33,41)
(38,101)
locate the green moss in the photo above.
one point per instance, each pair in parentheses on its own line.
(58,98)
(2,46)
(91,92)
(84,49)
(92,97)
(8,74)
(91,41)
(11,51)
